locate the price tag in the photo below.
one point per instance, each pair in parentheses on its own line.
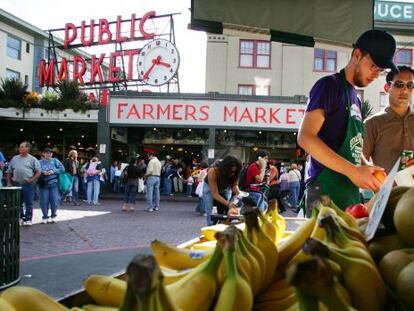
(380,203)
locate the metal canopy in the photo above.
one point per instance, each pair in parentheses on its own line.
(292,21)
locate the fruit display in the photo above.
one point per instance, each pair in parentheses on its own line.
(325,264)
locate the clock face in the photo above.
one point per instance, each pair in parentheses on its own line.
(158,62)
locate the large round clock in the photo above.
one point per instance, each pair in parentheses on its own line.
(158,62)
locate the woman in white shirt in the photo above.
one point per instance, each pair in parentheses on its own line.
(294,185)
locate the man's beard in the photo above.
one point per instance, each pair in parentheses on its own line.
(358,78)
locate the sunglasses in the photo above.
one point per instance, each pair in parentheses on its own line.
(401,85)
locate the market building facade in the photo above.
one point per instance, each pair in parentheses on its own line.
(255,94)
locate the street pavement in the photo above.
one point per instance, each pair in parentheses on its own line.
(100,239)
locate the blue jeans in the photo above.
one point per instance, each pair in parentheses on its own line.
(75,189)
(153,192)
(49,195)
(117,184)
(294,188)
(26,197)
(93,188)
(130,191)
(189,190)
(258,197)
(208,200)
(167,186)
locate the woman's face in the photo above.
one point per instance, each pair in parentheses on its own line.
(233,171)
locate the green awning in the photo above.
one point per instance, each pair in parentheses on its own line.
(292,21)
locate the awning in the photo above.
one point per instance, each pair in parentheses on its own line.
(291,21)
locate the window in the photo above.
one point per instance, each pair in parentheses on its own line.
(403,57)
(324,60)
(11,74)
(14,47)
(251,89)
(383,100)
(26,80)
(254,54)
(27,47)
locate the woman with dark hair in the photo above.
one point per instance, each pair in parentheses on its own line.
(131,174)
(220,184)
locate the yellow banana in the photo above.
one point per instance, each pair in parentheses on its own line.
(198,289)
(209,231)
(268,228)
(105,290)
(171,275)
(275,291)
(24,298)
(361,278)
(91,307)
(206,246)
(145,289)
(5,306)
(255,233)
(235,293)
(178,258)
(279,304)
(349,219)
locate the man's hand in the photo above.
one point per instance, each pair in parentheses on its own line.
(29,180)
(262,162)
(410,162)
(362,177)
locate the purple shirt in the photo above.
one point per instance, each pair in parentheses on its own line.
(328,94)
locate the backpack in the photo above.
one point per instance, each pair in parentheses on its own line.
(92,171)
(242,178)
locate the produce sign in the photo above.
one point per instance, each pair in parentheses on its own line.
(381,203)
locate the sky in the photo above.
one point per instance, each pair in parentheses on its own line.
(51,14)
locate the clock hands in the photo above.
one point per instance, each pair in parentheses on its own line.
(155,61)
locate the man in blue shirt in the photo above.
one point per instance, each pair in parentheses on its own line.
(332,129)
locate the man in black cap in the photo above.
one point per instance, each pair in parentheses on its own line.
(332,129)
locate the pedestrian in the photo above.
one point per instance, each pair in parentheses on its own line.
(131,175)
(153,183)
(199,190)
(93,171)
(389,132)
(220,184)
(23,171)
(112,174)
(331,130)
(274,189)
(117,182)
(256,177)
(71,165)
(294,185)
(189,185)
(142,168)
(49,185)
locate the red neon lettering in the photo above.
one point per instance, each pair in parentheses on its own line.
(132,29)
(120,106)
(147,111)
(91,33)
(69,38)
(146,35)
(63,70)
(273,117)
(163,112)
(289,116)
(230,113)
(104,29)
(189,112)
(96,68)
(119,37)
(133,111)
(246,115)
(205,110)
(78,74)
(130,54)
(113,69)
(260,114)
(46,75)
(176,112)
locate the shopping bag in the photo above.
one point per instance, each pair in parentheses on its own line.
(65,182)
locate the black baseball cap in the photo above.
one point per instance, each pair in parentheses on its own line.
(380,45)
(47,149)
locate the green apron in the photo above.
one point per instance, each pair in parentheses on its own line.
(337,186)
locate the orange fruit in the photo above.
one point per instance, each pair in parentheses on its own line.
(380,175)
